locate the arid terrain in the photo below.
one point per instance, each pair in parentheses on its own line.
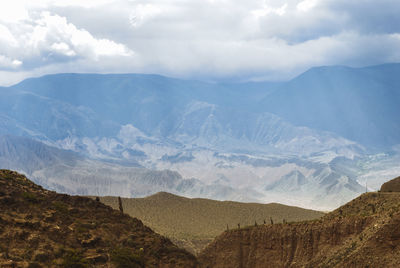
(363,233)
(193,223)
(40,228)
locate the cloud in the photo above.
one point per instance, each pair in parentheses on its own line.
(306,5)
(7,63)
(143,12)
(53,34)
(214,39)
(46,38)
(265,10)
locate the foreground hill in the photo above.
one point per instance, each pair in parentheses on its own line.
(42,228)
(391,186)
(193,223)
(362,233)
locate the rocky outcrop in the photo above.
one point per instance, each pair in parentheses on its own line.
(363,233)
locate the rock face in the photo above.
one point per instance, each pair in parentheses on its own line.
(362,233)
(42,228)
(391,186)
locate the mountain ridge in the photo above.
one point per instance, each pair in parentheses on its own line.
(361,233)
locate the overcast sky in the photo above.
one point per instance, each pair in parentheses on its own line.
(203,39)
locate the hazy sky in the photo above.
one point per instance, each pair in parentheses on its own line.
(207,39)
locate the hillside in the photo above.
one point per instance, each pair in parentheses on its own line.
(42,228)
(362,233)
(193,223)
(391,186)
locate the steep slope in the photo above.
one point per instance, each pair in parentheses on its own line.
(19,153)
(32,115)
(391,186)
(362,233)
(356,103)
(193,223)
(40,227)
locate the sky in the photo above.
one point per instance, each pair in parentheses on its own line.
(195,39)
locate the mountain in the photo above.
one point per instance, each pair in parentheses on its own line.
(356,103)
(337,126)
(42,228)
(362,233)
(193,223)
(26,154)
(69,172)
(291,181)
(211,115)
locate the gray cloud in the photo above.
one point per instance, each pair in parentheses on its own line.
(212,39)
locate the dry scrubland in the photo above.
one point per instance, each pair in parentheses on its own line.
(363,233)
(193,223)
(40,228)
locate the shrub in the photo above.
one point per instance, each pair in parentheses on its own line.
(31,197)
(74,259)
(125,257)
(60,207)
(34,265)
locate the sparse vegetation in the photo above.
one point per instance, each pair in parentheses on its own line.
(362,233)
(31,197)
(126,258)
(60,207)
(73,231)
(120,205)
(193,223)
(74,259)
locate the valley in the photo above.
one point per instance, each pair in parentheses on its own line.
(194,223)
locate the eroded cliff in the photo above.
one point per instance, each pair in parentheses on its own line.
(363,233)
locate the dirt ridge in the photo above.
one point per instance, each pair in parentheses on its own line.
(362,233)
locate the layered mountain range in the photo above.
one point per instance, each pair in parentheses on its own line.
(313,141)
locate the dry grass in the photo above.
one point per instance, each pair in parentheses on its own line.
(193,223)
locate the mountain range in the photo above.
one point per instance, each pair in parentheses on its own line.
(315,140)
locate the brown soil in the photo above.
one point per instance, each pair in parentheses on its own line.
(40,228)
(391,186)
(363,233)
